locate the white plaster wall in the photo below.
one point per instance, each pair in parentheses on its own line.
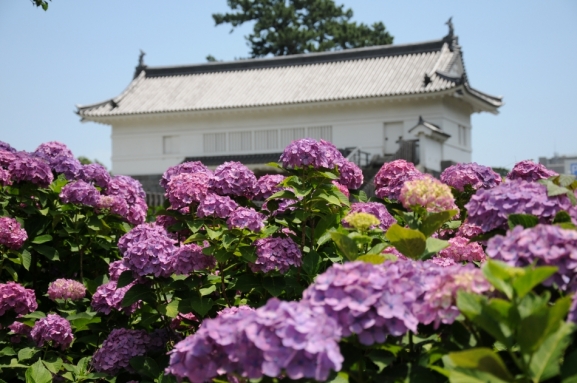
(431,153)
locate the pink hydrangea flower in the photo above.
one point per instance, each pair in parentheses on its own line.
(12,235)
(14,297)
(66,289)
(460,249)
(392,176)
(529,171)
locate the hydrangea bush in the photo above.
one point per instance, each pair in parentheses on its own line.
(295,276)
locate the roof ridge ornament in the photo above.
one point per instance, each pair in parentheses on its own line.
(451,39)
(141,65)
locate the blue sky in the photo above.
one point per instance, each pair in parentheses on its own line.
(85,51)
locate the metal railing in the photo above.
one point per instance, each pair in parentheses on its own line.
(154,199)
(358,157)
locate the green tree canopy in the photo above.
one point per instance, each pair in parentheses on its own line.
(286,27)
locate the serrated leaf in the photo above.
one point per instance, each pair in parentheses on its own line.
(346,245)
(138,293)
(411,243)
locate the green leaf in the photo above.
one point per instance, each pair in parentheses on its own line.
(126,278)
(54,365)
(47,251)
(481,359)
(341,377)
(37,373)
(474,307)
(145,366)
(525,220)
(375,259)
(412,243)
(346,245)
(275,285)
(378,248)
(285,194)
(248,253)
(247,282)
(171,309)
(27,353)
(569,368)
(207,290)
(138,293)
(433,221)
(562,217)
(42,239)
(7,351)
(499,275)
(213,234)
(35,315)
(545,362)
(26,259)
(311,263)
(453,225)
(532,277)
(381,359)
(200,305)
(433,246)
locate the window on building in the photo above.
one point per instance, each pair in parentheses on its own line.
(463,139)
(289,135)
(266,139)
(214,142)
(321,132)
(240,141)
(170,145)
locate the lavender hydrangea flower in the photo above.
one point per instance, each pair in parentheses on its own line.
(19,329)
(27,168)
(246,218)
(80,192)
(543,245)
(108,297)
(429,193)
(12,235)
(6,146)
(529,171)
(392,176)
(351,175)
(51,150)
(95,173)
(14,297)
(275,253)
(460,249)
(472,174)
(66,289)
(52,329)
(186,167)
(115,269)
(189,258)
(132,192)
(186,188)
(266,186)
(69,166)
(233,179)
(7,157)
(442,261)
(214,205)
(117,350)
(115,204)
(309,152)
(489,209)
(5,178)
(377,209)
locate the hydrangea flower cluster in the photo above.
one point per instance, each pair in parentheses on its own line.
(309,152)
(377,209)
(80,192)
(544,245)
(342,188)
(460,250)
(69,166)
(108,297)
(529,171)
(266,186)
(117,350)
(246,218)
(95,173)
(233,179)
(392,176)
(52,150)
(179,323)
(52,329)
(14,297)
(490,208)
(214,205)
(472,174)
(362,221)
(186,188)
(66,289)
(132,192)
(148,250)
(186,167)
(274,253)
(12,235)
(278,338)
(429,193)
(24,167)
(115,204)
(5,177)
(19,329)
(351,176)
(115,269)
(469,230)
(189,258)
(7,147)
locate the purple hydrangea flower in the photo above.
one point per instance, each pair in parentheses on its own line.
(275,253)
(460,249)
(51,150)
(233,179)
(148,251)
(186,167)
(13,296)
(66,289)
(115,204)
(377,209)
(54,330)
(442,261)
(186,188)
(95,173)
(189,258)
(392,176)
(542,245)
(309,152)
(132,192)
(490,208)
(469,230)
(214,205)
(19,329)
(429,193)
(108,297)
(7,157)
(115,269)
(6,146)
(266,186)
(246,218)
(117,350)
(529,171)
(351,176)
(80,192)
(12,235)
(27,168)
(69,166)
(5,178)
(473,174)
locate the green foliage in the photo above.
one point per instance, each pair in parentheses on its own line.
(300,26)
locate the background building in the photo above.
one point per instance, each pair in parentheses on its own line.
(561,164)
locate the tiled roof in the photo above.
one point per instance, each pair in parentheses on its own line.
(379,71)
